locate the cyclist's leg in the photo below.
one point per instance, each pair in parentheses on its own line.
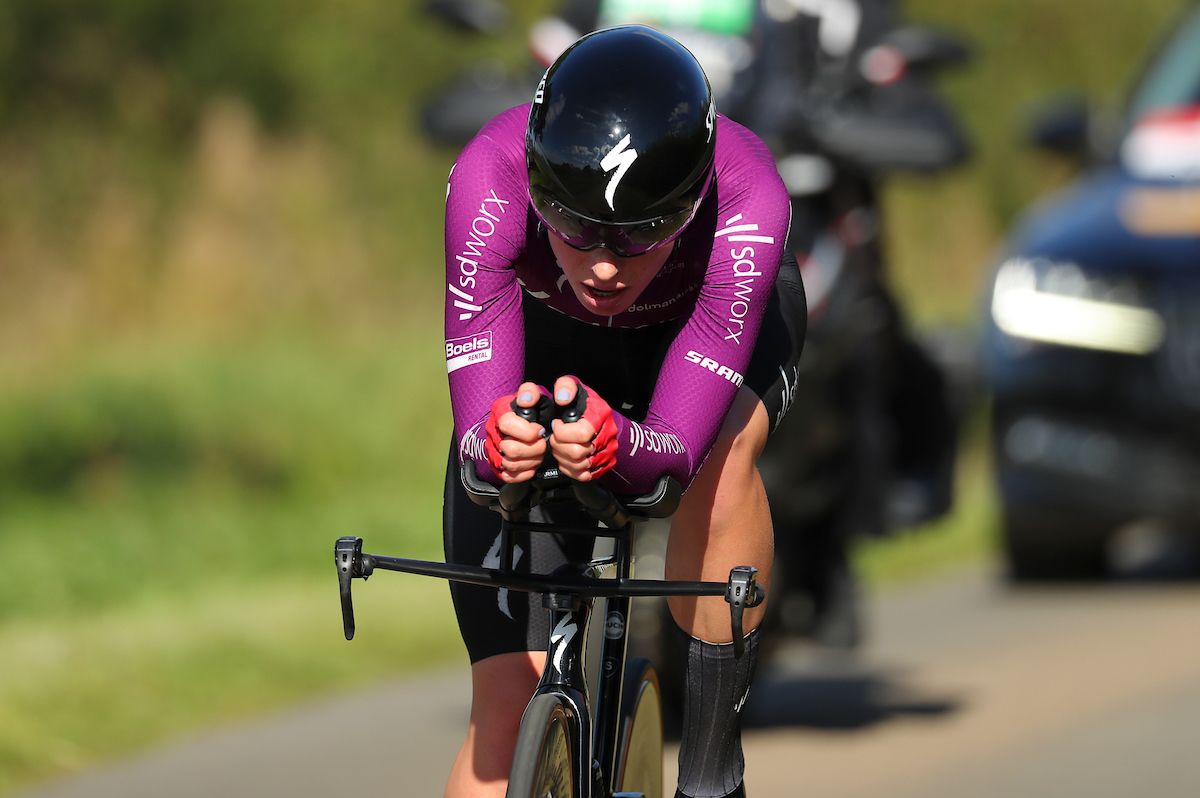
(724,521)
(503,631)
(500,688)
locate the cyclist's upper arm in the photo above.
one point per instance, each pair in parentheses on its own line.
(486,210)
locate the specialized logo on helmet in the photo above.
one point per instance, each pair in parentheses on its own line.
(540,94)
(620,159)
(710,121)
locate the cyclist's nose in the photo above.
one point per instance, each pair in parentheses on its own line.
(603,267)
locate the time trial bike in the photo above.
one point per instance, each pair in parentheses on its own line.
(569,746)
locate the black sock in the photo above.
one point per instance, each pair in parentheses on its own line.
(717,684)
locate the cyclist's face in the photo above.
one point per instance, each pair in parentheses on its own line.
(604,283)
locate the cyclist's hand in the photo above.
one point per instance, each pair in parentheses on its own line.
(515,447)
(586,448)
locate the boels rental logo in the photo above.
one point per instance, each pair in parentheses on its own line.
(467,350)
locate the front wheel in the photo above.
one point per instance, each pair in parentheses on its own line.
(542,763)
(640,756)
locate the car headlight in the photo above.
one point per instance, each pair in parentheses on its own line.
(1056,302)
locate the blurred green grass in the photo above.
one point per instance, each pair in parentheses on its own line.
(168,516)
(144,471)
(219,320)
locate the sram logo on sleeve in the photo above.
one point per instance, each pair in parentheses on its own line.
(468,350)
(716,368)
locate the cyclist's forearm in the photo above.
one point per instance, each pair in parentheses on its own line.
(484,356)
(647,452)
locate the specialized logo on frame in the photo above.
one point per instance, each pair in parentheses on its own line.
(563,632)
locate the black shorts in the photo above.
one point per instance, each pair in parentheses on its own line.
(622,366)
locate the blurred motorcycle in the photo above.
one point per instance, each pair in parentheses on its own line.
(841,91)
(844,97)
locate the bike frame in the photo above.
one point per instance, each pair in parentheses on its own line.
(564,673)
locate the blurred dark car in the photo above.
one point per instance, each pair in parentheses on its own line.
(1092,346)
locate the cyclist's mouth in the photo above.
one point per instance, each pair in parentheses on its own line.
(604,299)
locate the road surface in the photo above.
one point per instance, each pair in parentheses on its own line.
(965,688)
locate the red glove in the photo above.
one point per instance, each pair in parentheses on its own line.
(501,407)
(491,446)
(597,413)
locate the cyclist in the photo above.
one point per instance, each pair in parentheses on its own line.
(617,236)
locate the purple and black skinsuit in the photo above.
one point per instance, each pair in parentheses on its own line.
(715,286)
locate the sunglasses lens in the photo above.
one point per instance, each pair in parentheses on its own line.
(568,226)
(625,240)
(660,231)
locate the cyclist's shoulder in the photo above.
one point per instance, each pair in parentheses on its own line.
(740,153)
(745,166)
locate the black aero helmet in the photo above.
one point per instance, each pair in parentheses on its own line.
(620,141)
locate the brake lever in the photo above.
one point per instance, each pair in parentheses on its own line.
(351,563)
(742,591)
